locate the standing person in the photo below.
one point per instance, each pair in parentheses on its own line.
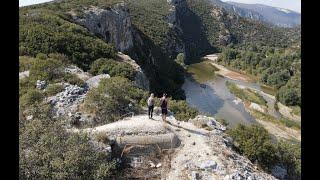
(150,105)
(164,106)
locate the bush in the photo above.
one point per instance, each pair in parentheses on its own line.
(53,89)
(181,110)
(47,69)
(47,151)
(25,63)
(73,79)
(113,68)
(25,85)
(289,156)
(31,97)
(49,31)
(255,143)
(112,98)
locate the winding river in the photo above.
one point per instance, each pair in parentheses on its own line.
(214,98)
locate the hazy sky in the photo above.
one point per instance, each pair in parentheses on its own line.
(29,2)
(294,5)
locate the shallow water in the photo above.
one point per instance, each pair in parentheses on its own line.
(216,100)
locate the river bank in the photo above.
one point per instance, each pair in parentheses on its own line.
(215,99)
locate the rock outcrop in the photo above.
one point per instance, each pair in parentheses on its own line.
(95,80)
(23,74)
(141,79)
(196,152)
(113,25)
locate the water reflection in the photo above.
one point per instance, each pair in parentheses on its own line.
(216,100)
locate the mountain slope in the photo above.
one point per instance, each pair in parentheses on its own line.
(153,32)
(273,15)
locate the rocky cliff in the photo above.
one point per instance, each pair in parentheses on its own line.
(113,25)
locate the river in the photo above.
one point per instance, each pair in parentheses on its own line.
(215,99)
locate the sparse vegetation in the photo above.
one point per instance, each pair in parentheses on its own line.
(113,68)
(53,89)
(73,79)
(203,71)
(255,143)
(31,97)
(181,110)
(281,121)
(46,150)
(113,98)
(246,94)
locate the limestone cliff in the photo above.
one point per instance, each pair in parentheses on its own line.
(113,25)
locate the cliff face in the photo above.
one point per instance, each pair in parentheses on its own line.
(113,25)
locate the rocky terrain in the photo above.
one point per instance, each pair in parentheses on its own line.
(201,154)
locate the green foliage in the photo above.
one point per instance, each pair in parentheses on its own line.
(46,31)
(53,89)
(31,97)
(202,72)
(47,151)
(289,156)
(181,110)
(279,68)
(150,18)
(110,100)
(113,68)
(25,85)
(246,94)
(73,79)
(282,121)
(290,94)
(25,63)
(47,69)
(255,143)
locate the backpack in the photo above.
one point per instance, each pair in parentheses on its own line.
(163,103)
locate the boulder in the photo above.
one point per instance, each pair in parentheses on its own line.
(41,84)
(95,80)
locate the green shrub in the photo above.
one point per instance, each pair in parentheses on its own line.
(53,89)
(289,157)
(31,97)
(181,110)
(25,85)
(73,79)
(255,143)
(51,31)
(48,151)
(113,68)
(110,100)
(47,69)
(25,63)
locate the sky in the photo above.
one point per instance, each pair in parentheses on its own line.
(294,5)
(29,2)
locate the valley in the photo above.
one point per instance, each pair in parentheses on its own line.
(216,100)
(88,67)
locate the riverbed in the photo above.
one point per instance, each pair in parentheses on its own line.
(214,98)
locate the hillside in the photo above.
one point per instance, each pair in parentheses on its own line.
(276,16)
(154,42)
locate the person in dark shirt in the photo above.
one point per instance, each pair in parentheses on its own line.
(164,106)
